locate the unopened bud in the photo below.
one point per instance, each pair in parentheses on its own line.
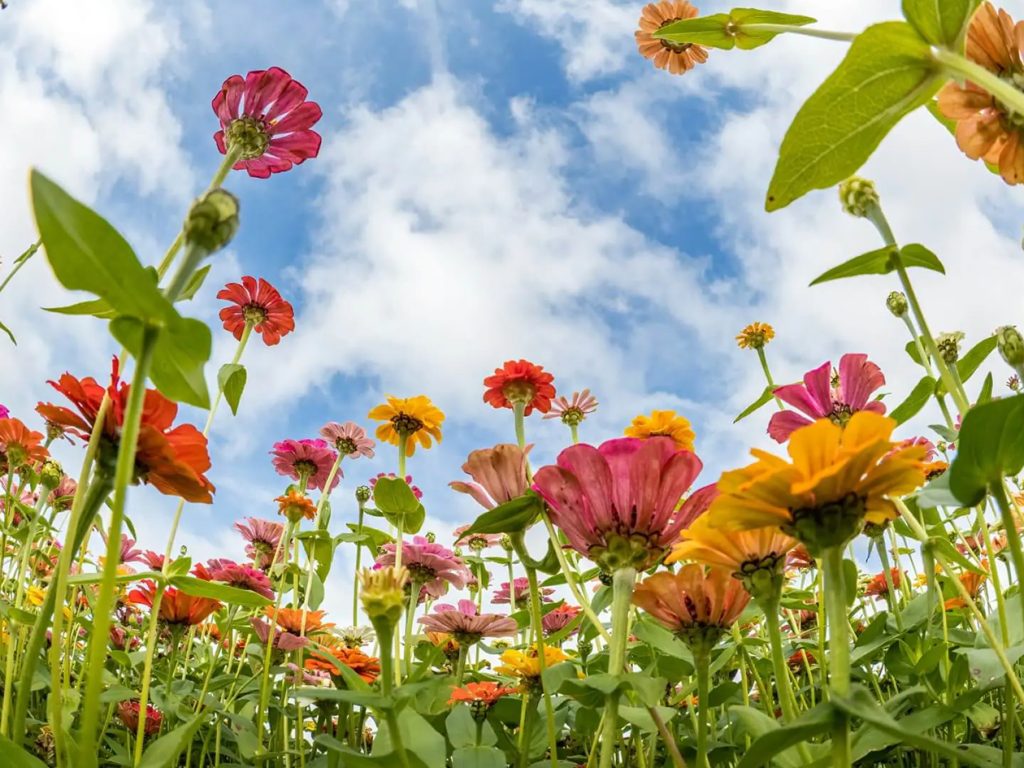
(431,537)
(584,647)
(897,303)
(51,473)
(363,494)
(213,220)
(1014,383)
(858,196)
(1011,345)
(949,346)
(506,542)
(383,593)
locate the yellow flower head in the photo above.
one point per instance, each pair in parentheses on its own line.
(415,418)
(755,336)
(35,596)
(663,423)
(837,479)
(526,664)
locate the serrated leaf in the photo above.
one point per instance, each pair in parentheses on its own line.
(231,378)
(942,22)
(915,401)
(764,399)
(989,448)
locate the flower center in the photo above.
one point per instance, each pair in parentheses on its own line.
(420,573)
(841,414)
(251,135)
(572,416)
(345,445)
(762,578)
(519,391)
(254,314)
(304,468)
(405,424)
(674,47)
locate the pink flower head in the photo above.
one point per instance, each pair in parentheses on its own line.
(154,560)
(912,441)
(129,554)
(283,641)
(63,495)
(499,475)
(821,397)
(430,564)
(626,492)
(263,537)
(4,413)
(349,439)
(408,481)
(241,576)
(267,115)
(559,619)
(476,541)
(466,624)
(312,458)
(572,412)
(518,593)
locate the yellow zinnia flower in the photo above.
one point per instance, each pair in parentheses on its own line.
(837,479)
(415,418)
(35,596)
(755,336)
(526,664)
(666,424)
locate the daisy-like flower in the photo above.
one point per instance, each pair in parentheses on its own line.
(408,481)
(972,583)
(256,303)
(799,558)
(4,413)
(241,576)
(572,412)
(985,128)
(129,554)
(174,461)
(466,624)
(836,480)
(295,505)
(356,637)
(619,504)
(523,382)
(525,665)
(476,541)
(677,58)
(559,619)
(415,419)
(663,424)
(176,607)
(499,475)
(877,586)
(480,696)
(367,667)
(431,565)
(755,336)
(283,640)
(309,459)
(517,593)
(267,116)
(20,446)
(128,713)
(63,496)
(349,439)
(298,621)
(263,537)
(697,604)
(822,397)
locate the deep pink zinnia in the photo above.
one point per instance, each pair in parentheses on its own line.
(268,117)
(349,439)
(263,537)
(559,619)
(307,458)
(518,593)
(241,576)
(819,397)
(430,564)
(4,413)
(466,624)
(283,641)
(617,504)
(129,554)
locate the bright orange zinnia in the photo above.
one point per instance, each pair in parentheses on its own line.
(485,693)
(291,620)
(367,667)
(295,505)
(176,607)
(19,445)
(677,58)
(520,381)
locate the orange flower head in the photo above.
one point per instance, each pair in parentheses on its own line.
(176,607)
(298,621)
(755,336)
(296,505)
(663,424)
(677,58)
(20,446)
(972,582)
(414,419)
(878,587)
(367,667)
(480,696)
(523,382)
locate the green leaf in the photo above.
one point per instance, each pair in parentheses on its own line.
(811,723)
(755,723)
(985,666)
(881,262)
(97,308)
(942,22)
(164,751)
(10,335)
(461,728)
(16,757)
(417,735)
(989,449)
(985,395)
(641,717)
(478,757)
(231,378)
(511,517)
(395,499)
(195,283)
(744,28)
(919,395)
(764,399)
(946,548)
(886,74)
(970,362)
(916,255)
(190,585)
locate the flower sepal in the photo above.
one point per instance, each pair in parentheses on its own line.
(827,525)
(625,552)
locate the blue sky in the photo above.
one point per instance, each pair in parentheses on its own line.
(497,180)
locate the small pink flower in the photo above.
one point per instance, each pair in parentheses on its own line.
(283,641)
(312,458)
(572,412)
(408,481)
(264,537)
(431,564)
(558,619)
(267,115)
(349,439)
(154,560)
(241,576)
(518,593)
(466,623)
(476,541)
(129,554)
(821,397)
(499,475)
(4,413)
(62,497)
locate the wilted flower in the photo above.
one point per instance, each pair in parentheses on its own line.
(677,58)
(306,460)
(263,537)
(466,624)
(256,303)
(663,424)
(414,419)
(520,382)
(518,593)
(349,439)
(429,564)
(755,336)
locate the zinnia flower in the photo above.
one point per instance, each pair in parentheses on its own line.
(877,586)
(63,495)
(296,505)
(837,479)
(466,624)
(476,541)
(257,304)
(171,460)
(20,446)
(518,593)
(128,712)
(4,413)
(800,558)
(520,382)
(283,641)
(755,336)
(985,129)
(356,637)
(298,621)
(349,439)
(367,667)
(429,564)
(414,419)
(526,664)
(677,58)
(267,115)
(499,475)
(480,695)
(309,460)
(572,412)
(176,607)
(822,397)
(801,660)
(558,619)
(663,424)
(972,582)
(617,504)
(241,576)
(264,537)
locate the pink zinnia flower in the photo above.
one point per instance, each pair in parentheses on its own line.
(63,495)
(129,554)
(430,564)
(821,397)
(349,439)
(476,541)
(572,412)
(559,619)
(311,458)
(518,593)
(154,560)
(466,624)
(241,576)
(264,537)
(4,413)
(499,475)
(283,641)
(408,481)
(268,116)
(626,492)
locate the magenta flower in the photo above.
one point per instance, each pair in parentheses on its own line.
(62,497)
(408,481)
(466,624)
(154,560)
(4,413)
(241,576)
(129,554)
(518,593)
(312,459)
(617,504)
(559,619)
(499,475)
(263,537)
(822,397)
(572,412)
(283,641)
(349,439)
(476,541)
(268,117)
(430,564)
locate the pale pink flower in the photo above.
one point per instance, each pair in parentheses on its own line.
(476,541)
(518,593)
(349,439)
(312,458)
(572,412)
(466,624)
(241,576)
(283,641)
(692,598)
(499,475)
(558,619)
(430,564)
(264,537)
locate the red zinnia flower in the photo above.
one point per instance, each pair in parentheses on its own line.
(128,712)
(267,115)
(171,460)
(485,693)
(257,303)
(19,445)
(176,607)
(878,587)
(520,382)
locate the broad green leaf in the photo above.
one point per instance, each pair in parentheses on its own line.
(395,499)
(353,759)
(916,400)
(358,698)
(916,255)
(461,729)
(946,548)
(811,723)
(479,757)
(641,716)
(374,538)
(16,757)
(418,736)
(164,751)
(231,378)
(744,28)
(881,262)
(763,400)
(510,517)
(975,356)
(990,448)
(190,585)
(985,395)
(886,74)
(985,666)
(942,22)
(754,723)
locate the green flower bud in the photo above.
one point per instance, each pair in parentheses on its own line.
(897,303)
(949,346)
(506,542)
(212,221)
(383,594)
(50,474)
(858,196)
(363,494)
(1011,345)
(431,537)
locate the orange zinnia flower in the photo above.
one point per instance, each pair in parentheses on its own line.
(677,58)
(878,587)
(295,505)
(520,382)
(367,667)
(480,694)
(19,445)
(290,620)
(972,583)
(176,607)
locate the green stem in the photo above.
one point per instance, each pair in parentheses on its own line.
(957,65)
(460,669)
(770,607)
(767,373)
(666,736)
(538,633)
(21,261)
(414,591)
(890,587)
(702,660)
(574,433)
(839,652)
(623,581)
(821,34)
(998,491)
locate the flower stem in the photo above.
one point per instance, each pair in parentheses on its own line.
(890,587)
(998,491)
(770,606)
(702,660)
(957,65)
(414,590)
(622,596)
(359,554)
(574,433)
(538,633)
(838,652)
(460,669)
(767,373)
(20,262)
(821,34)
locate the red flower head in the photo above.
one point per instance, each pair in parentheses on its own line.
(267,115)
(483,694)
(128,712)
(878,587)
(19,445)
(520,382)
(171,460)
(257,303)
(176,607)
